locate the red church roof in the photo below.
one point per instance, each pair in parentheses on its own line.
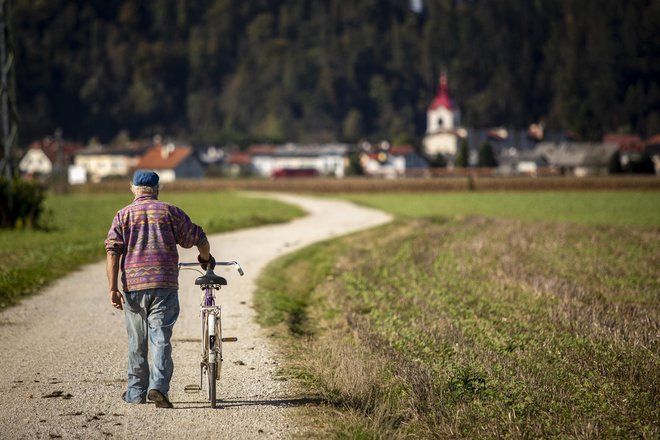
(442,98)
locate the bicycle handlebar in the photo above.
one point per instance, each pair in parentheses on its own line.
(218,263)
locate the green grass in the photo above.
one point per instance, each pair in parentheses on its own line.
(589,208)
(78,224)
(453,324)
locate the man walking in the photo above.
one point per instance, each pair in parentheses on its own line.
(142,242)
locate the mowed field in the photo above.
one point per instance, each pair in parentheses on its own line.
(479,315)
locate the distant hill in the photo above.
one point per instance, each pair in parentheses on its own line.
(302,70)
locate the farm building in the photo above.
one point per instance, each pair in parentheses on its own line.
(44,156)
(388,161)
(100,162)
(171,162)
(578,158)
(291,159)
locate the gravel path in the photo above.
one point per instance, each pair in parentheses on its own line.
(63,361)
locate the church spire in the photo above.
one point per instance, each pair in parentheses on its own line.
(442,98)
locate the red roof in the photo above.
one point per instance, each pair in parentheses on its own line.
(442,98)
(614,138)
(158,157)
(261,149)
(49,147)
(653,140)
(240,158)
(626,142)
(401,150)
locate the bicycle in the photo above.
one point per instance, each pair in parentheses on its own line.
(211,363)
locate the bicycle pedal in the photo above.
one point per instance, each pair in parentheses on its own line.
(192,389)
(232,339)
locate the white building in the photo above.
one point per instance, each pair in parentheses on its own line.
(292,159)
(442,123)
(35,161)
(43,157)
(101,163)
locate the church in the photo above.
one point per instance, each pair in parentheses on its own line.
(443,123)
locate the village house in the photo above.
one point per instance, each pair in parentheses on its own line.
(98,162)
(630,146)
(212,158)
(238,163)
(578,158)
(514,162)
(44,157)
(653,151)
(292,159)
(383,160)
(171,162)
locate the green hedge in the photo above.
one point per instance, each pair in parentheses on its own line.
(21,203)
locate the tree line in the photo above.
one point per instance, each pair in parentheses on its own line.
(227,71)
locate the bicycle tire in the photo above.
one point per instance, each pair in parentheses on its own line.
(218,345)
(212,378)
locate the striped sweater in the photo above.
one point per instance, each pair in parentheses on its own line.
(145,234)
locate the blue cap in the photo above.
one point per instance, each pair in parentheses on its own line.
(145,178)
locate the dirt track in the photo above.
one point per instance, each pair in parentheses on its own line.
(63,363)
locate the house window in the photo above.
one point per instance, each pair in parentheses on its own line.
(440,122)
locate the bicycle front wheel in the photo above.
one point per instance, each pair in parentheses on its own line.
(212,378)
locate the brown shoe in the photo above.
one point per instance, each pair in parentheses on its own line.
(161,399)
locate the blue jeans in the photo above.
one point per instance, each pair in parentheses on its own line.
(150,317)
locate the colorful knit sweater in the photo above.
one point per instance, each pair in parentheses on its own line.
(145,234)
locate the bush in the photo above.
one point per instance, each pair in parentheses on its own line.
(21,203)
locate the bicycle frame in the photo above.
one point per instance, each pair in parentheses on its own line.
(211,314)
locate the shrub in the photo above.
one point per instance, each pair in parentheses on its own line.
(21,203)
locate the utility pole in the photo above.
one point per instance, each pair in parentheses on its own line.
(8,116)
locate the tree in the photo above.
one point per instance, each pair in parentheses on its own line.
(644,165)
(320,70)
(437,161)
(614,165)
(463,155)
(352,129)
(486,157)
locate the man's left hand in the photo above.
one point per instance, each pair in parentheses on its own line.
(205,263)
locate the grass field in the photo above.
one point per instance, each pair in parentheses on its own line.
(78,224)
(478,316)
(622,208)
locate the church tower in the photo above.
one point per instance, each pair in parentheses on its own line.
(442,116)
(442,123)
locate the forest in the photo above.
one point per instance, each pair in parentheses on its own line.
(228,71)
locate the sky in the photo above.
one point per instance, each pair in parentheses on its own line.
(417,6)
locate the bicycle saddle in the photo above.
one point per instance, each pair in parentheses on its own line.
(210,279)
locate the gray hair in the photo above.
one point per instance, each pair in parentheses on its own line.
(145,190)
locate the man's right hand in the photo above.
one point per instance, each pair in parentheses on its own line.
(116,299)
(206,263)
